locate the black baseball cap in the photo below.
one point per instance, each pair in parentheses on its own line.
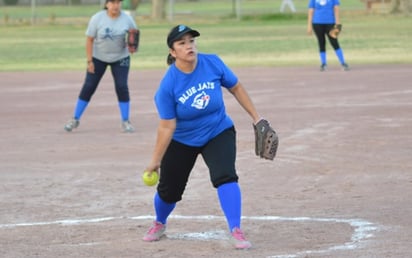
(177,33)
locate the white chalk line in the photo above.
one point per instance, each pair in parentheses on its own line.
(363,229)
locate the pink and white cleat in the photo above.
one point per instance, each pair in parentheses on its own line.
(155,232)
(239,239)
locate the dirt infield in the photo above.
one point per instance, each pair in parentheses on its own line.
(340,186)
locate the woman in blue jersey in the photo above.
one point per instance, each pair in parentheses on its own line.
(322,15)
(193,121)
(106,46)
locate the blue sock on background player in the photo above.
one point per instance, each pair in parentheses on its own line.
(322,56)
(339,54)
(124,110)
(80,107)
(230,200)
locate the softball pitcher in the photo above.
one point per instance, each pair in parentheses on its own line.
(193,121)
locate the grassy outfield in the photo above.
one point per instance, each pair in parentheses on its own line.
(265,40)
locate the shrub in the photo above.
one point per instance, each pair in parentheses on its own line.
(10,2)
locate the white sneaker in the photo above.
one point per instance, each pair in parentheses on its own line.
(345,67)
(71,124)
(127,127)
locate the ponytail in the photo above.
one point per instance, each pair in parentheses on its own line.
(170,59)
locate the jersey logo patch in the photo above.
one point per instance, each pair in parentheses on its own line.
(201,101)
(108,34)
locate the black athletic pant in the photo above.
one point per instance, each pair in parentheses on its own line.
(320,31)
(219,155)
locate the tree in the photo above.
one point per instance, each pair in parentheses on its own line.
(158,9)
(134,4)
(11,2)
(397,4)
(130,5)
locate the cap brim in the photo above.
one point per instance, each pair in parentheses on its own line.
(194,33)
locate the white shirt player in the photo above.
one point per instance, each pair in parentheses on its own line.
(287,3)
(109,35)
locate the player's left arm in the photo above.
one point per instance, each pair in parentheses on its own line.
(241,95)
(336,12)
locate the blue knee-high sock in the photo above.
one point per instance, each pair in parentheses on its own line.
(322,56)
(124,110)
(231,203)
(162,209)
(80,107)
(339,54)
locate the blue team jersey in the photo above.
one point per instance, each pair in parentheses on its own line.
(195,100)
(323,11)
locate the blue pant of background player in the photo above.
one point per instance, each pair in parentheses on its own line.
(120,73)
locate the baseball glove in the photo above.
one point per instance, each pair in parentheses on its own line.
(132,40)
(266,140)
(334,32)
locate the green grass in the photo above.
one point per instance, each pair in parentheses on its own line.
(269,39)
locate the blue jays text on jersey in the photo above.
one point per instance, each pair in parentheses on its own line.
(193,90)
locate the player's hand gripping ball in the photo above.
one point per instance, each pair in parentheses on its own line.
(150,179)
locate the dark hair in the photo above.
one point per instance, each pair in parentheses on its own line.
(107,2)
(170,59)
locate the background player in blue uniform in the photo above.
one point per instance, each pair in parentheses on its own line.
(322,15)
(106,46)
(193,121)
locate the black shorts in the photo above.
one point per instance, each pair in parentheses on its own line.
(219,155)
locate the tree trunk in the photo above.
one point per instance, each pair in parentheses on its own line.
(158,9)
(400,5)
(407,6)
(395,4)
(135,4)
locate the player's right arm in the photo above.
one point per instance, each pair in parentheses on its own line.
(89,54)
(310,17)
(165,131)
